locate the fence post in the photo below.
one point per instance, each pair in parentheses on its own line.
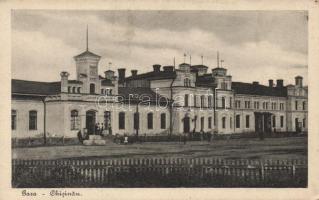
(262,171)
(293,171)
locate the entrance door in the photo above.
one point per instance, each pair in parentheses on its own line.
(297,125)
(90,121)
(186,125)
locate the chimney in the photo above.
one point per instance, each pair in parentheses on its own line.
(134,72)
(64,81)
(255,83)
(298,81)
(157,68)
(168,68)
(271,83)
(121,73)
(109,74)
(280,83)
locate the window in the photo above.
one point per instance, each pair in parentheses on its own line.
(195,100)
(275,106)
(13,119)
(281,121)
(202,101)
(74,120)
(92,88)
(224,122)
(102,91)
(223,102)
(121,120)
(237,121)
(73,89)
(281,106)
(304,105)
(163,121)
(209,122)
(150,120)
(273,121)
(186,100)
(247,104)
(69,89)
(136,121)
(296,105)
(247,121)
(264,105)
(32,120)
(210,101)
(230,102)
(79,90)
(257,105)
(237,103)
(202,123)
(187,82)
(304,123)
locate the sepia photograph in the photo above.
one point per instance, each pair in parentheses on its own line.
(159,98)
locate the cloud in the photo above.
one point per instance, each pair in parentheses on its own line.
(47,45)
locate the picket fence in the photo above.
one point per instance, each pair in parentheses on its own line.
(159,172)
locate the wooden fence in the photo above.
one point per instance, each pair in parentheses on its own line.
(159,172)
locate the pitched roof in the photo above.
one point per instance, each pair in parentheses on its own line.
(199,66)
(87,53)
(205,80)
(137,94)
(75,81)
(153,75)
(257,89)
(35,87)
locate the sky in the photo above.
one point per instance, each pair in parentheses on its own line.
(255,45)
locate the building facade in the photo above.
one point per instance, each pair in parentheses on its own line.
(165,100)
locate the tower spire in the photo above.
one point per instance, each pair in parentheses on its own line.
(87,37)
(217,59)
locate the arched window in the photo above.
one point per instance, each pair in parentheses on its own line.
(79,90)
(150,120)
(33,120)
(304,105)
(210,102)
(69,89)
(92,88)
(13,119)
(247,121)
(237,121)
(202,123)
(121,120)
(195,100)
(223,102)
(136,121)
(186,100)
(202,101)
(224,122)
(163,121)
(273,121)
(209,122)
(73,89)
(75,120)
